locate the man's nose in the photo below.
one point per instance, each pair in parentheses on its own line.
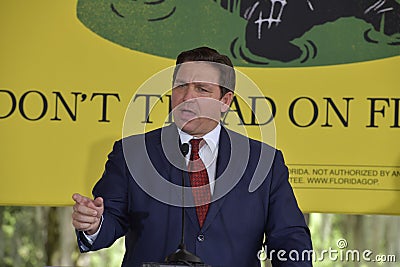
(189,92)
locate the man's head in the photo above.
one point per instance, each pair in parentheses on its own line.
(228,79)
(203,84)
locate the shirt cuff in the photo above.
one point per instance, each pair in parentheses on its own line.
(92,238)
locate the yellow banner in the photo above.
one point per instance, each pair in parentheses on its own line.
(64,91)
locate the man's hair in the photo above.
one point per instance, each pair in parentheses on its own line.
(211,55)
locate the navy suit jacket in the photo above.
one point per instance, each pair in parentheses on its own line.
(232,234)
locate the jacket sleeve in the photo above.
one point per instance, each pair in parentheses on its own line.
(288,241)
(113,187)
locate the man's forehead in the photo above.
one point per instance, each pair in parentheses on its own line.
(206,72)
(198,72)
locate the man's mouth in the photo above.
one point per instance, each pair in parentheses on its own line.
(187,114)
(188,111)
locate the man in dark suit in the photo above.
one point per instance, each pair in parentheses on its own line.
(239,186)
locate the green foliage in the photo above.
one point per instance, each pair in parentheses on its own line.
(22,236)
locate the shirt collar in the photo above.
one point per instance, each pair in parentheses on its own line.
(211,138)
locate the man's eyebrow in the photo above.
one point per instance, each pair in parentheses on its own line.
(180,81)
(205,83)
(202,83)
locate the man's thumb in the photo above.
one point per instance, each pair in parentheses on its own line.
(98,202)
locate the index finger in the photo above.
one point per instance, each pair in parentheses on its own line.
(82,200)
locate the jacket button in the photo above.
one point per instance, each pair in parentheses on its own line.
(200,238)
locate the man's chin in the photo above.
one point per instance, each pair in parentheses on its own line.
(196,127)
(187,126)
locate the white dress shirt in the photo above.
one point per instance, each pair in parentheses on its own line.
(208,151)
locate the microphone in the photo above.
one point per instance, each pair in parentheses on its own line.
(184,149)
(181,255)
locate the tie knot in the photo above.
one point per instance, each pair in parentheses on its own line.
(195,143)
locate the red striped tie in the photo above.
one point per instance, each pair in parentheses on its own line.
(199,177)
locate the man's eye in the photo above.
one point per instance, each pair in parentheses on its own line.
(202,89)
(183,85)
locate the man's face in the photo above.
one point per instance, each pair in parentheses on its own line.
(196,98)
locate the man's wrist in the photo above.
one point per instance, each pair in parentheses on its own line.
(92,237)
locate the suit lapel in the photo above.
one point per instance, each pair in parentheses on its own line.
(232,160)
(160,146)
(168,147)
(222,162)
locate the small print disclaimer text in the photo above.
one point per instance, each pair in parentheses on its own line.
(385,178)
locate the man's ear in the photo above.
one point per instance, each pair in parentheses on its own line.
(226,100)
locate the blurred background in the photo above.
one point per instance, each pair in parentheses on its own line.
(44,236)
